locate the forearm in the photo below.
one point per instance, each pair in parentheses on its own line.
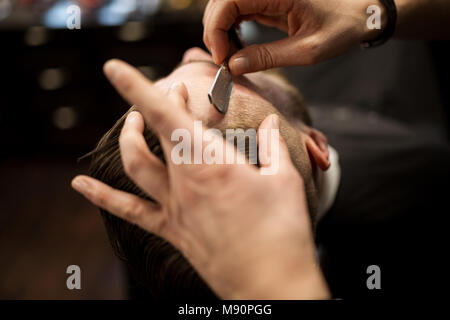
(423,19)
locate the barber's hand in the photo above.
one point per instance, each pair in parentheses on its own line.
(248,235)
(317,30)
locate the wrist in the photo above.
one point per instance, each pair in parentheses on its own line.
(297,279)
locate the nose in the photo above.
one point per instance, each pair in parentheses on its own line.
(196,54)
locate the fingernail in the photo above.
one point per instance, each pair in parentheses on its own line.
(276,121)
(240,65)
(132,116)
(111,69)
(214,54)
(80,184)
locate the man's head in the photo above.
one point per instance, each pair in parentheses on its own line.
(155,264)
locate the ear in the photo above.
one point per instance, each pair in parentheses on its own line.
(317,146)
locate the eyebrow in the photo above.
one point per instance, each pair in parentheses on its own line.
(181,64)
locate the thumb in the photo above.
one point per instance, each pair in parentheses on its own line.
(261,57)
(272,149)
(291,51)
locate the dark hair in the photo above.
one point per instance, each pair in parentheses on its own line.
(155,265)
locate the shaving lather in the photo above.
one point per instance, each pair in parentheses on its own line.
(220,92)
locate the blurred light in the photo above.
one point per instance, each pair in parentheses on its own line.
(36,36)
(342,113)
(5,8)
(132,31)
(90,3)
(249,31)
(65,118)
(52,79)
(116,12)
(180,4)
(149,72)
(56,17)
(373,117)
(149,7)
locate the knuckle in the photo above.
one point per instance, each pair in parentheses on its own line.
(160,225)
(265,57)
(226,178)
(133,164)
(312,50)
(159,228)
(124,138)
(100,198)
(132,212)
(125,81)
(159,117)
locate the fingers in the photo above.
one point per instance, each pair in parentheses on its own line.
(216,27)
(282,53)
(124,205)
(219,17)
(163,115)
(273,152)
(142,166)
(178,93)
(218,53)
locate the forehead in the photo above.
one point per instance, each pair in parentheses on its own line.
(201,72)
(260,91)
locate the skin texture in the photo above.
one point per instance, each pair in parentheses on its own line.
(268,254)
(254,97)
(317,30)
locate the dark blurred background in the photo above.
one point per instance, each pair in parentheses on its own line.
(55,104)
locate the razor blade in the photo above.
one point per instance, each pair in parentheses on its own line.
(220,93)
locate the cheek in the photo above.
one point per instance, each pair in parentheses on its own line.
(297,148)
